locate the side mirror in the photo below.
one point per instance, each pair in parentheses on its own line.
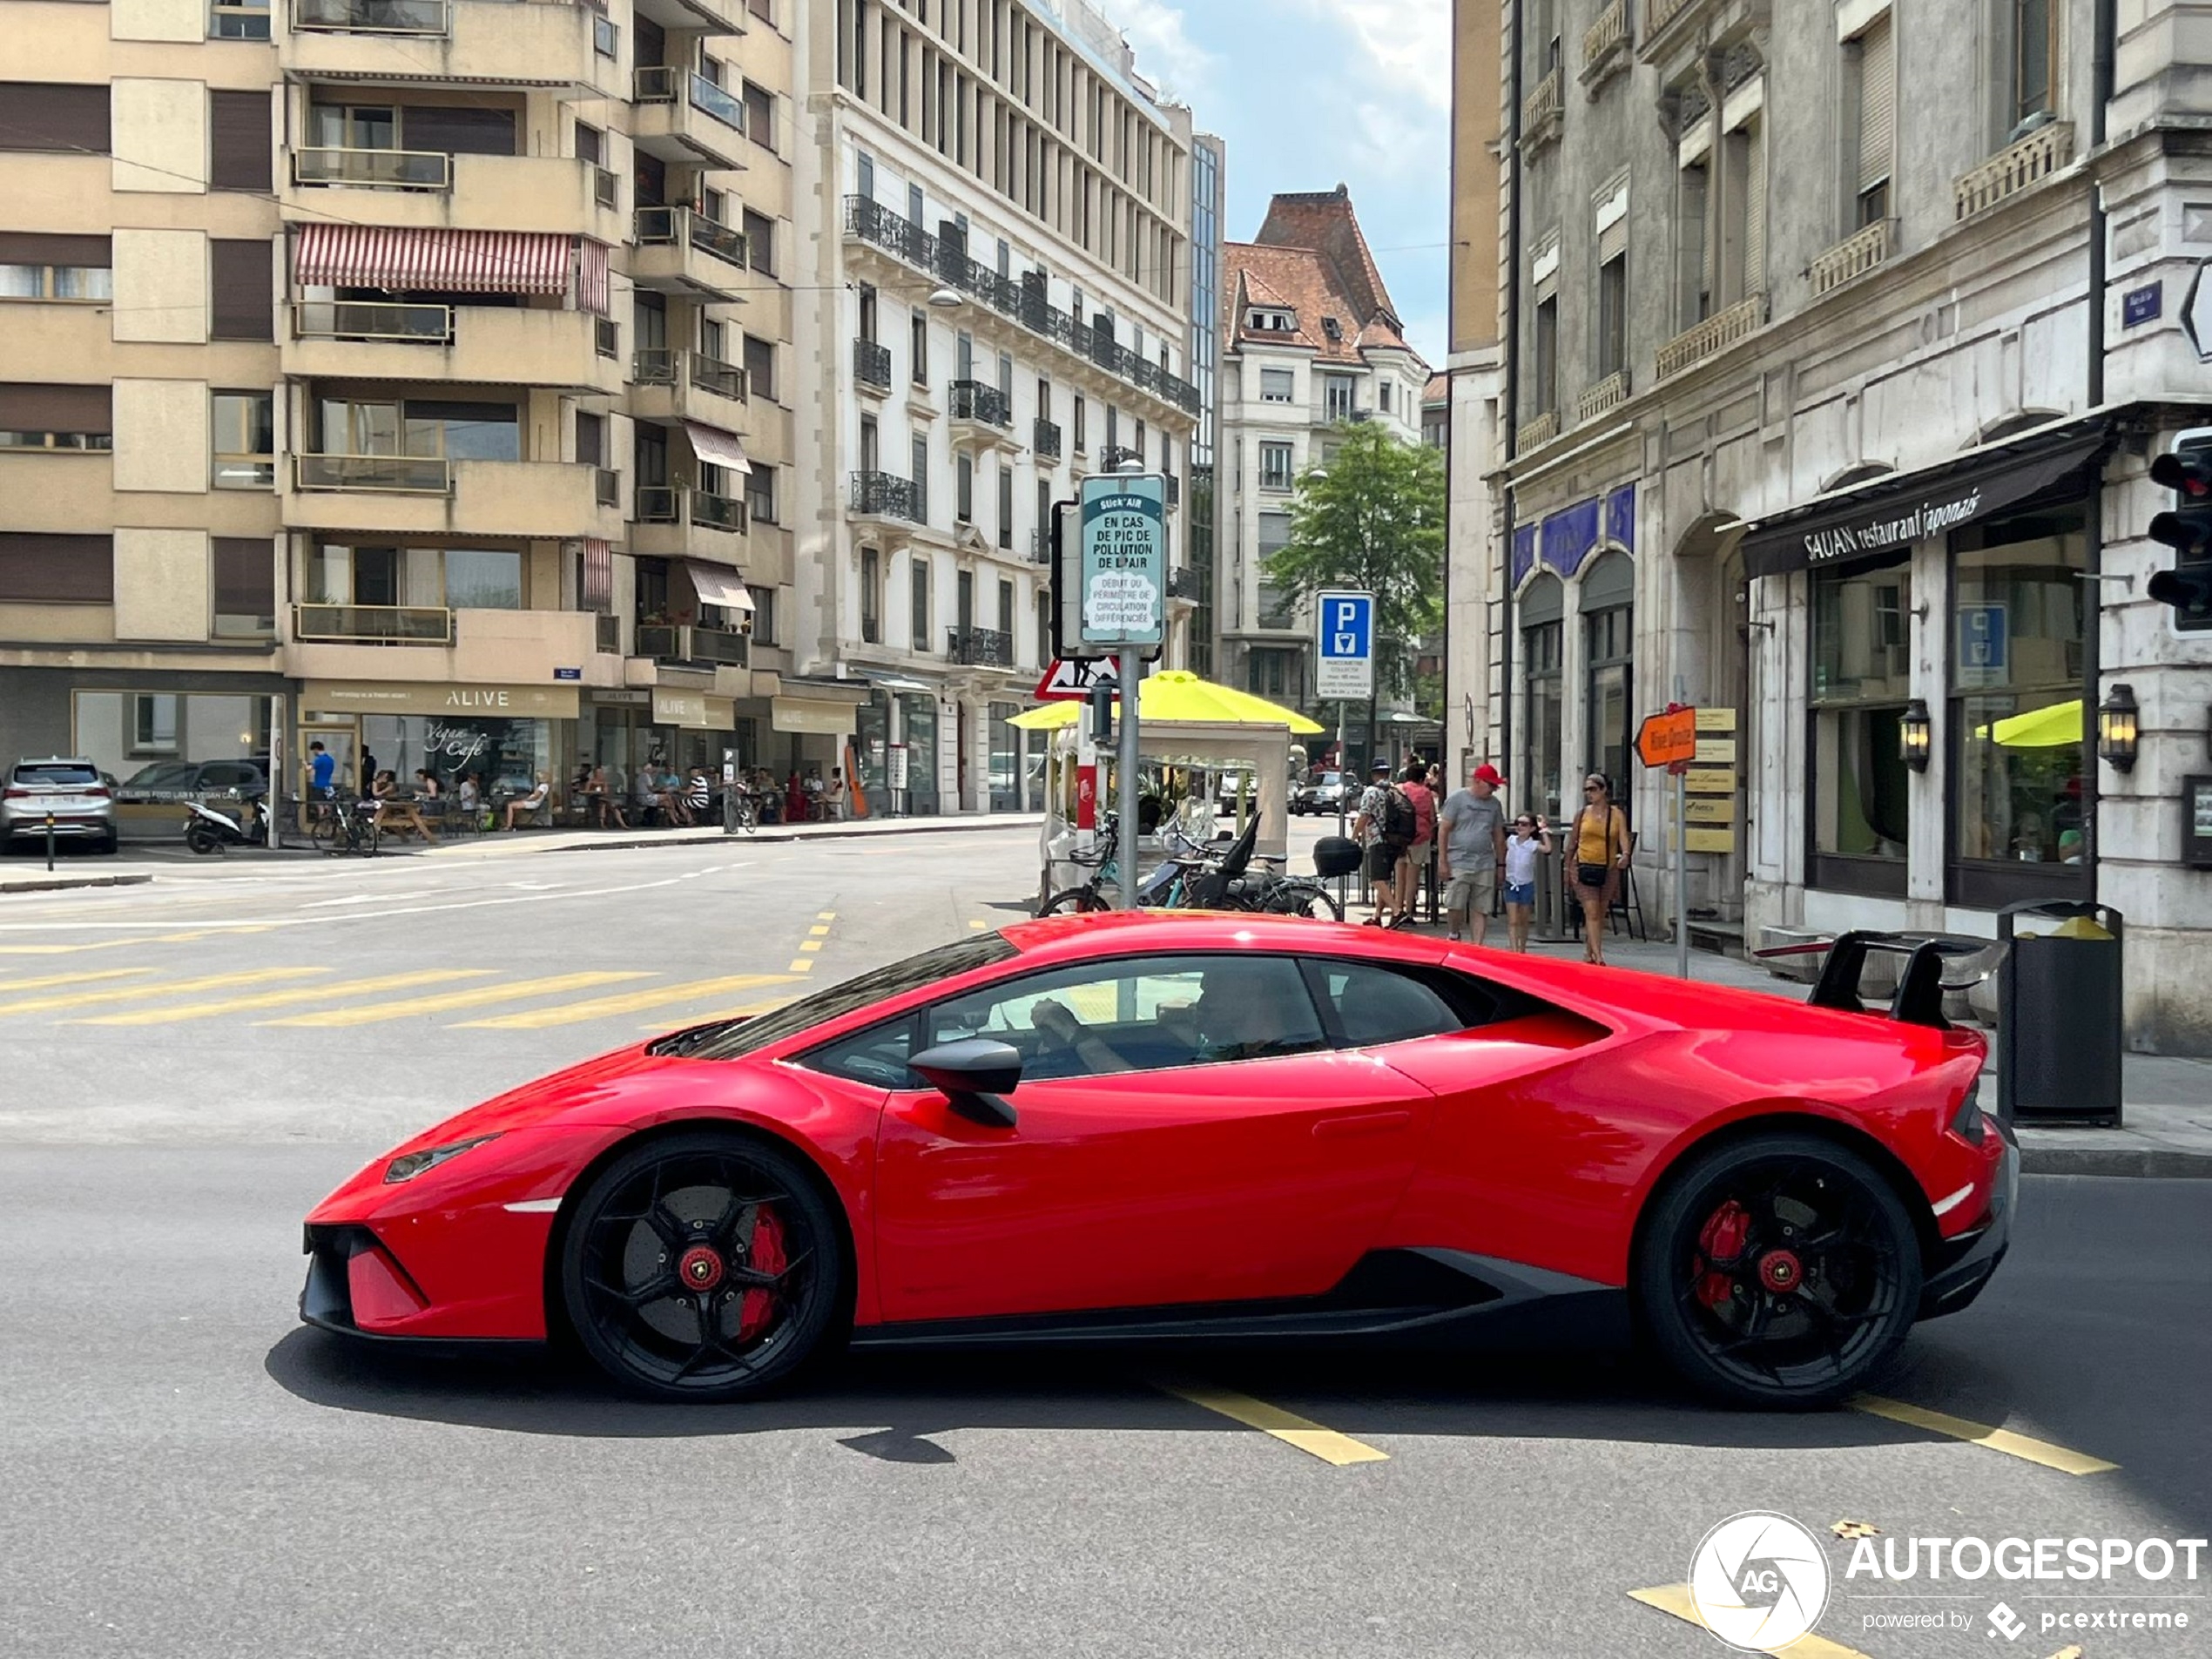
(973,1074)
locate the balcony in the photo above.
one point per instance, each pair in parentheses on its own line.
(2035,158)
(569,50)
(372,625)
(879,495)
(979,647)
(1853,257)
(1543,113)
(872,366)
(671,386)
(1668,25)
(1185,584)
(1044,440)
(452,346)
(1536,432)
(673,521)
(1605,46)
(1603,398)
(429,496)
(710,647)
(685,252)
(872,224)
(430,190)
(1718,332)
(686,118)
(982,416)
(341,642)
(1040,546)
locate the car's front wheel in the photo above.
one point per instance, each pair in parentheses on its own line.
(1778,1272)
(703,1265)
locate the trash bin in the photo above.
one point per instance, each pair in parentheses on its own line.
(2058,1016)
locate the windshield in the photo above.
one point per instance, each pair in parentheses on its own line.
(728,1039)
(59,774)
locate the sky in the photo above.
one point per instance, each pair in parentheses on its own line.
(1310,94)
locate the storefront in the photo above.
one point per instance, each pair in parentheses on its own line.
(505,737)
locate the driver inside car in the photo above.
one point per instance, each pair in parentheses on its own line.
(1241,1016)
(1065,1047)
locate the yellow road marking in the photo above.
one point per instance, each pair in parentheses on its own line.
(820,931)
(745,1013)
(1287,1426)
(212,981)
(1997,1439)
(600,1008)
(979,925)
(804,965)
(810,945)
(281,999)
(1674,1599)
(73,979)
(826,915)
(483,996)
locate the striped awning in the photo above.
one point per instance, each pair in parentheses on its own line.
(362,256)
(598,576)
(591,276)
(717,447)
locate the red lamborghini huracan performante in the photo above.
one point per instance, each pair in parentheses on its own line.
(1239,1129)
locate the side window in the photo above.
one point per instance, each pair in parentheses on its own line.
(1367,1006)
(876,1056)
(1143,1013)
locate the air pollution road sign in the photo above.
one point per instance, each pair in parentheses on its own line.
(1125,573)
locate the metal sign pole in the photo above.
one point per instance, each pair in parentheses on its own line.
(1132,669)
(1344,786)
(1682,875)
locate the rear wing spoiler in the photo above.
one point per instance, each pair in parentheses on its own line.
(1920,987)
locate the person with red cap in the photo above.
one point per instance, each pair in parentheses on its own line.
(1474,852)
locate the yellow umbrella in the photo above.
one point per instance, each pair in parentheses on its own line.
(1179,695)
(2046,728)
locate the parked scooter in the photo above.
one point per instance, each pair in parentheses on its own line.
(209,830)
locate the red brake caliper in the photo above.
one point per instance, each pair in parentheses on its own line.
(1721,1240)
(766,1255)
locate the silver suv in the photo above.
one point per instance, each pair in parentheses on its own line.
(78,797)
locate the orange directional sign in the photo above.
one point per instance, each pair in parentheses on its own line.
(1667,739)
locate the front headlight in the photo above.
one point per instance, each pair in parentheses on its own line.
(407,1168)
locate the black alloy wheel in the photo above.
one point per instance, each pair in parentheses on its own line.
(702,1266)
(1781,1272)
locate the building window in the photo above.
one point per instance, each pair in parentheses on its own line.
(2017,700)
(1608,641)
(53,115)
(920,458)
(920,601)
(239,20)
(1275,674)
(870,597)
(243,582)
(1277,385)
(918,333)
(760,116)
(1613,316)
(760,242)
(763,615)
(1006,505)
(964,489)
(760,494)
(1870,76)
(1540,646)
(50,415)
(1077,427)
(1338,397)
(245,441)
(760,366)
(153,723)
(38,568)
(1382,395)
(242,278)
(1744,235)
(2034,51)
(1861,662)
(55,267)
(239,146)
(1274,466)
(1544,384)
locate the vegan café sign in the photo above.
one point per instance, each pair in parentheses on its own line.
(459,702)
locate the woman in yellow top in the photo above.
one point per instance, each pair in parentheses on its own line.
(1598,844)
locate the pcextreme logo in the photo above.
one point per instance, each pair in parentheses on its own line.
(1759,1581)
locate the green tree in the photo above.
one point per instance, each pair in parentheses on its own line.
(1373,521)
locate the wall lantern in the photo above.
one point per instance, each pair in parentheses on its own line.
(2116,728)
(1915,734)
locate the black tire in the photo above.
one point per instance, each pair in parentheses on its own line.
(1779,1271)
(663,1217)
(1073,902)
(112,845)
(1305,899)
(203,841)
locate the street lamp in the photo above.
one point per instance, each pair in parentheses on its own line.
(2116,734)
(1916,735)
(946,300)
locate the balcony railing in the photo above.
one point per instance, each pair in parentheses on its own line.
(974,400)
(871,222)
(1044,438)
(388,169)
(607,634)
(1853,257)
(1536,432)
(881,494)
(872,364)
(1605,43)
(1660,14)
(660,366)
(1717,332)
(384,474)
(979,647)
(1184,584)
(664,643)
(661,83)
(716,512)
(673,504)
(1542,111)
(372,625)
(371,16)
(1607,395)
(662,226)
(371,319)
(2012,169)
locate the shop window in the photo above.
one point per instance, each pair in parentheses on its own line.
(1608,641)
(1543,645)
(1862,660)
(2021,772)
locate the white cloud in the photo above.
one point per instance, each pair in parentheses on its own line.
(1408,43)
(1165,52)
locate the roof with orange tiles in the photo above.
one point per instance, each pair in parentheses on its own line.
(1438,389)
(1312,260)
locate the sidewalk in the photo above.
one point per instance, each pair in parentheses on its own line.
(495,843)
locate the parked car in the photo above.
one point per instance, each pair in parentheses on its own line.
(149,803)
(1323,794)
(74,791)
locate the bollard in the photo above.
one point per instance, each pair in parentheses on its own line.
(49,842)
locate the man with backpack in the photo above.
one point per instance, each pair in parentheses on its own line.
(1389,825)
(1413,787)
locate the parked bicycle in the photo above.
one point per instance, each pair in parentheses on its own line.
(342,826)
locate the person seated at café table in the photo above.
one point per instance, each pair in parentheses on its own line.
(426,785)
(699,793)
(468,794)
(671,786)
(767,797)
(598,792)
(529,803)
(395,807)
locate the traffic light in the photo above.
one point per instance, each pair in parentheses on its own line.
(2187,470)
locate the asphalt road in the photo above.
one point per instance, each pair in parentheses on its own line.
(185,1471)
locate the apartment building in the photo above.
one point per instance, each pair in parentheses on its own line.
(1841,335)
(398,374)
(1310,342)
(996,211)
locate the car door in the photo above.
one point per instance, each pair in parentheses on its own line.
(1185,1133)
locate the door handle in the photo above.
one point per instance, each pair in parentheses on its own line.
(1345,1128)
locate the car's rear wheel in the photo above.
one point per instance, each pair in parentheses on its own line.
(1779,1271)
(702,1266)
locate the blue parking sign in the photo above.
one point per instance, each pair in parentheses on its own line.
(1346,624)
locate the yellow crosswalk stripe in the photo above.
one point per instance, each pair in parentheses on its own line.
(1676,1599)
(281,999)
(447,1002)
(1289,1428)
(72,979)
(2065,1459)
(599,1008)
(205,983)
